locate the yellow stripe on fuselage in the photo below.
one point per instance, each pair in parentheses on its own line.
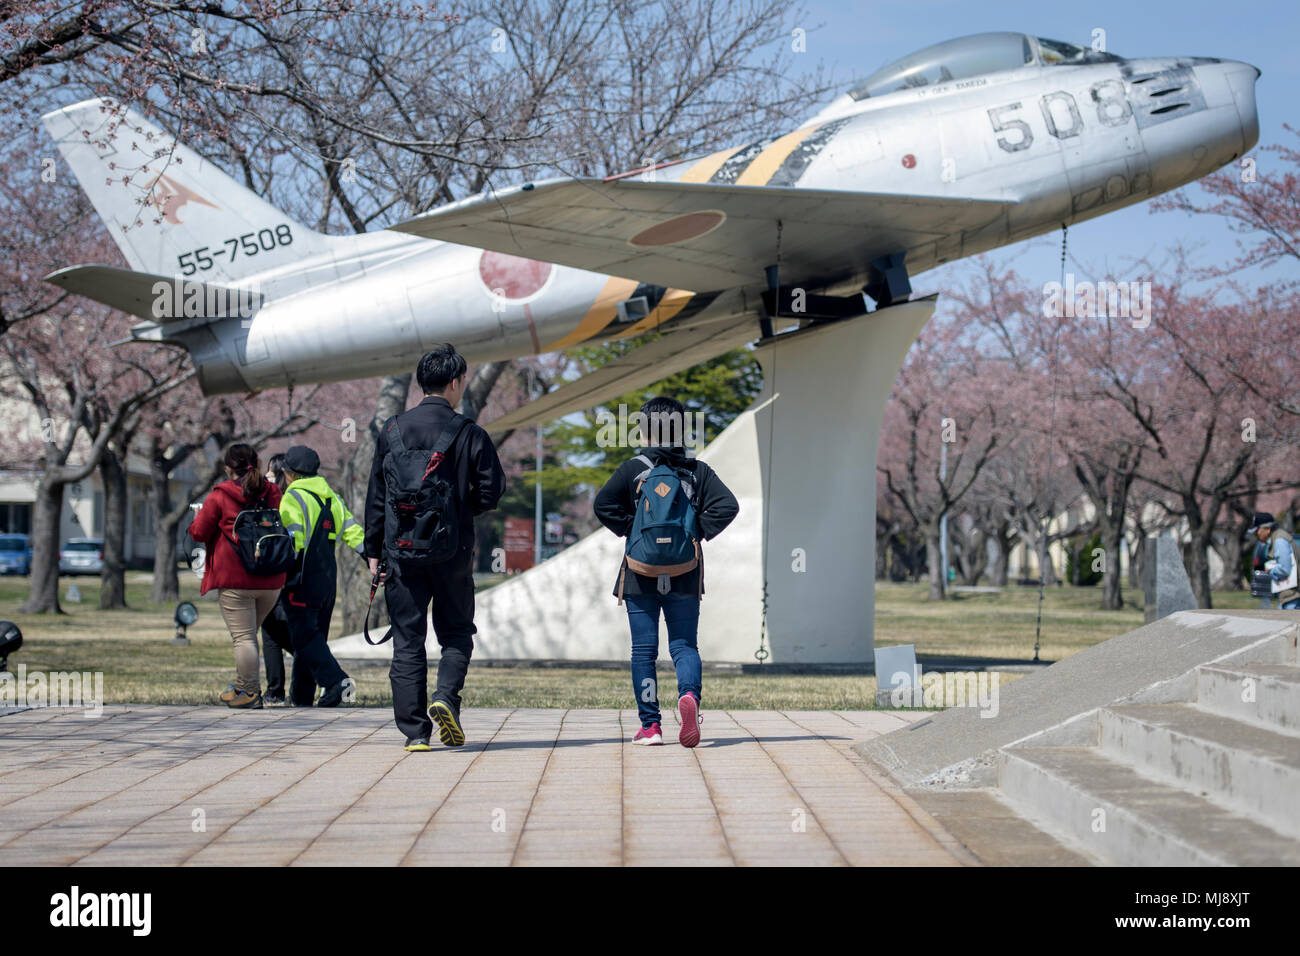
(602,312)
(704,169)
(767,162)
(605,309)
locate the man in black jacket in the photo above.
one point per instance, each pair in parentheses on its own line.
(715,508)
(471,466)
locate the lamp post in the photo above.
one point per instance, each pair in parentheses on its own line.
(943,521)
(186,614)
(537,507)
(537,499)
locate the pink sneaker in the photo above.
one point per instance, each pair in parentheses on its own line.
(688,708)
(650,736)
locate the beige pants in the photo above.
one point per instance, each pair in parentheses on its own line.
(244,609)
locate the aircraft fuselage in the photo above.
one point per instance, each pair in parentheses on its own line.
(1057,144)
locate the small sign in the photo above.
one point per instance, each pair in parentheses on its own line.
(518,542)
(896,670)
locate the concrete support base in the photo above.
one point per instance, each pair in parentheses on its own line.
(818,424)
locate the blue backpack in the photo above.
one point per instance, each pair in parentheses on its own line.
(664,542)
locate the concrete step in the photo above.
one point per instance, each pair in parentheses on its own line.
(1275,689)
(1243,768)
(1071,790)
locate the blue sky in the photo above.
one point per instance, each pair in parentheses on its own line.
(852,39)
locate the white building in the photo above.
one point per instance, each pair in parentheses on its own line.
(83,507)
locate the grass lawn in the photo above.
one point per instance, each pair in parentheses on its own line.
(132,647)
(1002,625)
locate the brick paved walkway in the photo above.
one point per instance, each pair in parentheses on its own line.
(205,785)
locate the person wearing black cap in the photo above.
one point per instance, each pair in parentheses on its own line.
(434,471)
(1279,556)
(301,691)
(315,516)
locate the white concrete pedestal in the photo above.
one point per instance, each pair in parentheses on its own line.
(818,424)
(802,463)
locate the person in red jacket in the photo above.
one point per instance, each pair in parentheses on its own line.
(245,599)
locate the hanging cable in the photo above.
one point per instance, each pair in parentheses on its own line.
(762,654)
(1051,448)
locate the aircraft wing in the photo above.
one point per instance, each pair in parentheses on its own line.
(700,236)
(641,367)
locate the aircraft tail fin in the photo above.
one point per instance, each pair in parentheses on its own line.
(169,210)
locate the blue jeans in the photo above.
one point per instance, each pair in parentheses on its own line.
(682,615)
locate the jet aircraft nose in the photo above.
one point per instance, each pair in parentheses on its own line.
(1191,130)
(1241,80)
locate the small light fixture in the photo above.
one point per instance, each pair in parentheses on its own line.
(10,640)
(186,614)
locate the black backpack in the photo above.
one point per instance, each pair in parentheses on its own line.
(314,579)
(264,547)
(421,514)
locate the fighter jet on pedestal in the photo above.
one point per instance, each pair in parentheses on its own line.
(955,150)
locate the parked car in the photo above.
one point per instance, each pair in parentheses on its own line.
(82,556)
(15,554)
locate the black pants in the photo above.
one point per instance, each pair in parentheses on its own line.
(408,591)
(275,644)
(309,628)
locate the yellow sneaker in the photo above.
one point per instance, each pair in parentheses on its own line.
(448,721)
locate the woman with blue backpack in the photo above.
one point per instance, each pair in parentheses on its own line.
(248,552)
(664,504)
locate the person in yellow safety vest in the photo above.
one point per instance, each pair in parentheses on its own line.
(315,516)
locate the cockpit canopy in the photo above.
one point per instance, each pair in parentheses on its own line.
(971,56)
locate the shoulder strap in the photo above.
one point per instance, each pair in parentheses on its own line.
(694,479)
(297,496)
(231,538)
(445,439)
(319,500)
(684,476)
(308,533)
(449,433)
(639,480)
(394,431)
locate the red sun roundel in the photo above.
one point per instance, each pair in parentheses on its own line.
(682,228)
(511,277)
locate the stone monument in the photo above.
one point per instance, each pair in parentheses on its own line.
(1166,587)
